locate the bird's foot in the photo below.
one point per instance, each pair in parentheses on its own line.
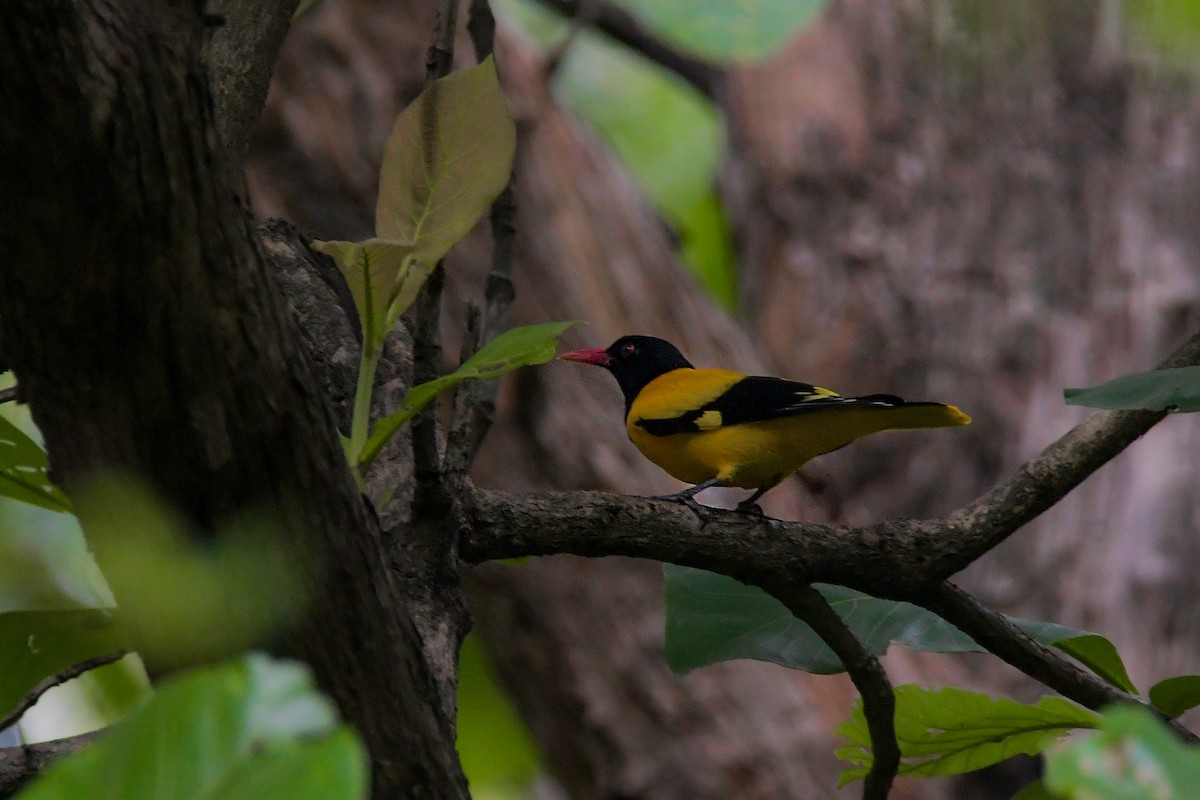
(686,498)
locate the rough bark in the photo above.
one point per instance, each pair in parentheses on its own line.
(150,341)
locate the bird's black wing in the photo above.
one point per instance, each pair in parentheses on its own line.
(755,399)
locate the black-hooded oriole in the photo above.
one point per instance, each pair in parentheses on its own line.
(715,427)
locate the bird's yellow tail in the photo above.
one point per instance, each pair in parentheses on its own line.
(922,415)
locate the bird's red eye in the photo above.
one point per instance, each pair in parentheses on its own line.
(628,350)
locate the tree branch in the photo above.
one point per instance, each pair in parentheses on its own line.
(868,675)
(240,55)
(19,765)
(8,395)
(46,684)
(1043,481)
(624,27)
(999,636)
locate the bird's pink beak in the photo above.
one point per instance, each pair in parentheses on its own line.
(597,356)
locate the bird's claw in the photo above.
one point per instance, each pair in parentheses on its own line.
(751,509)
(701,512)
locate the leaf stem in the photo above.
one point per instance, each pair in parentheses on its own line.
(360,422)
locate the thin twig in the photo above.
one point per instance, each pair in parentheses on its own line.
(864,669)
(474,415)
(585,15)
(440,58)
(46,684)
(460,447)
(999,636)
(427,348)
(623,27)
(8,395)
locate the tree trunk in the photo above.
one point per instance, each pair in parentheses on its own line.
(151,342)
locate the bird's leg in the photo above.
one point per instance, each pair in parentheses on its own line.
(748,506)
(687,496)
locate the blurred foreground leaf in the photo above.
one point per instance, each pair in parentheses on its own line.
(186,596)
(950,731)
(1132,757)
(249,729)
(712,618)
(1161,389)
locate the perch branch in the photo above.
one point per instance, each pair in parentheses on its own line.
(19,765)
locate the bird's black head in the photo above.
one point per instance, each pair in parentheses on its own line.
(634,361)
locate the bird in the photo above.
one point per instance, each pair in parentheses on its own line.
(716,427)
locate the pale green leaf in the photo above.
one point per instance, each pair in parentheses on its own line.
(1132,757)
(1173,696)
(1161,389)
(449,155)
(519,347)
(949,731)
(712,618)
(383,276)
(253,728)
(24,470)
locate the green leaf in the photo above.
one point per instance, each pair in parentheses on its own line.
(383,276)
(253,728)
(1174,696)
(24,470)
(949,731)
(668,134)
(1132,757)
(496,749)
(449,155)
(1101,657)
(724,30)
(1161,389)
(712,618)
(1035,791)
(1169,29)
(519,347)
(37,644)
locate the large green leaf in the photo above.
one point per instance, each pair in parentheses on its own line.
(950,731)
(253,728)
(726,30)
(24,470)
(1171,389)
(519,347)
(1132,757)
(449,155)
(1173,696)
(37,644)
(713,618)
(1100,656)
